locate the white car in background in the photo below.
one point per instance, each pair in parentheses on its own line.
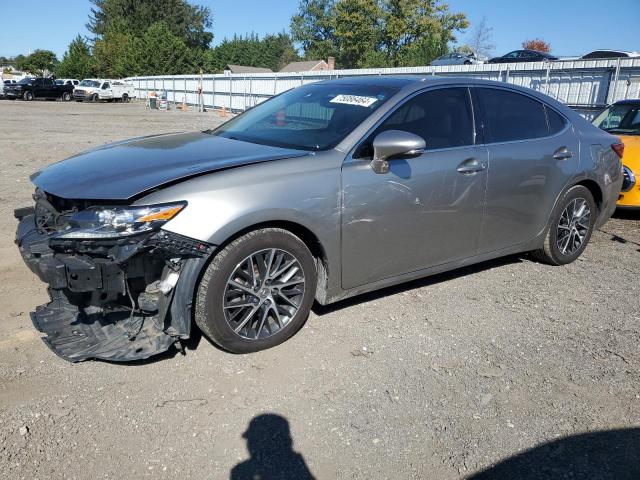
(457,58)
(2,84)
(98,89)
(67,81)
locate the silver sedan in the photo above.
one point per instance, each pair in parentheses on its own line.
(324,192)
(457,58)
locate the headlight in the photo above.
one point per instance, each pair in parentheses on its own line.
(116,222)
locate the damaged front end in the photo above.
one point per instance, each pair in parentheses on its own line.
(121,288)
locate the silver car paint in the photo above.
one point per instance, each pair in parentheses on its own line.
(380,230)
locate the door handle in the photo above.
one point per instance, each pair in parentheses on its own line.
(563,153)
(471,166)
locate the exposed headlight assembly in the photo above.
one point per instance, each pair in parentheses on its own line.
(97,223)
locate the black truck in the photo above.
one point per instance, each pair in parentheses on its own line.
(30,88)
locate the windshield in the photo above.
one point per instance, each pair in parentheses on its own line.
(312,117)
(622,119)
(89,83)
(26,81)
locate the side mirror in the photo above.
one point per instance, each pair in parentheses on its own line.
(394,143)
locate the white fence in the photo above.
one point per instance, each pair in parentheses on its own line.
(585,85)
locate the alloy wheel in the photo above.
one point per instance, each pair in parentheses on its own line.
(573,226)
(263,293)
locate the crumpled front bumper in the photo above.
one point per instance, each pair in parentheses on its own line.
(83,320)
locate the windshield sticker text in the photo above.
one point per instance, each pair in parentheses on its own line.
(355,100)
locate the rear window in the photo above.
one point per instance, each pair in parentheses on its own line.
(510,116)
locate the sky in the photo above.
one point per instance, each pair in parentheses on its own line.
(572,27)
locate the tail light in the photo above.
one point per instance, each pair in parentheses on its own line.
(618,148)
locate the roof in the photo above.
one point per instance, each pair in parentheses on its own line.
(628,101)
(302,66)
(246,69)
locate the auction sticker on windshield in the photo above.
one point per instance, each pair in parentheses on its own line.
(355,100)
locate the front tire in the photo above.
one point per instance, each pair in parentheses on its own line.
(28,96)
(257,291)
(571,226)
(95,98)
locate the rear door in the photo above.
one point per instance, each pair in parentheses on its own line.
(50,90)
(533,152)
(39,88)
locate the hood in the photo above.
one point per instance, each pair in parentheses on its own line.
(123,170)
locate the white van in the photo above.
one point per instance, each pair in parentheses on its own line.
(96,89)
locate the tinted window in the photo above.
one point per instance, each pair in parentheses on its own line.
(511,116)
(442,117)
(556,121)
(312,117)
(39,82)
(47,82)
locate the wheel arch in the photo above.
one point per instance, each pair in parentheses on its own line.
(590,185)
(310,239)
(595,190)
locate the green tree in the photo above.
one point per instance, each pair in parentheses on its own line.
(278,50)
(163,52)
(186,21)
(356,31)
(117,54)
(19,61)
(77,61)
(363,33)
(272,51)
(314,28)
(40,62)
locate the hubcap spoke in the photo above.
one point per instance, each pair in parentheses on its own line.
(264,293)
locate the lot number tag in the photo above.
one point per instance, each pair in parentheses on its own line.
(355,100)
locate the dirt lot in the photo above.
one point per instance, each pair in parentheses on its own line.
(437,379)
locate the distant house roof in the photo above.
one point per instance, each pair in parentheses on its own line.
(305,66)
(244,69)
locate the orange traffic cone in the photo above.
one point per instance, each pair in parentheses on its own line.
(223,112)
(184,103)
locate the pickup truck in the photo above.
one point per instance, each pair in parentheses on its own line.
(97,89)
(30,88)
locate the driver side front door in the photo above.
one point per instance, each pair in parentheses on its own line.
(427,210)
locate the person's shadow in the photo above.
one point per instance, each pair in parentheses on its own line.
(272,457)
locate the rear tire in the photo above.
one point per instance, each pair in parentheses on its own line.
(275,319)
(66,97)
(570,229)
(125,98)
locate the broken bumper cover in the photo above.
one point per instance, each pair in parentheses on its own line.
(108,301)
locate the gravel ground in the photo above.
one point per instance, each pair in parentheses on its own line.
(439,378)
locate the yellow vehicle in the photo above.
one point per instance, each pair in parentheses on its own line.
(623,119)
